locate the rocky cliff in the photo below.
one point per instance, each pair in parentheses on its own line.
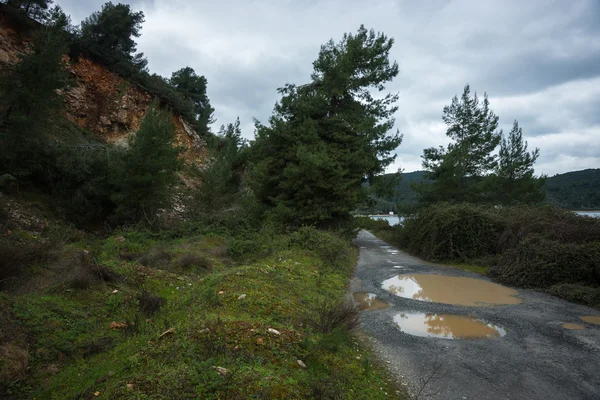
(100,101)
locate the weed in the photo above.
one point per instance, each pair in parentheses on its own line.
(330,316)
(150,304)
(157,257)
(188,260)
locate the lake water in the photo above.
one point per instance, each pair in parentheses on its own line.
(594,214)
(391,219)
(397,220)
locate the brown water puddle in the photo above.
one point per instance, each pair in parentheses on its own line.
(591,319)
(446,326)
(369,301)
(450,290)
(577,327)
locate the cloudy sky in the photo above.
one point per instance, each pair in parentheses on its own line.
(538,60)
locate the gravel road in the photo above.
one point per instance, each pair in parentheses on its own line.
(536,359)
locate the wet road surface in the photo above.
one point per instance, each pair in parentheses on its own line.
(536,358)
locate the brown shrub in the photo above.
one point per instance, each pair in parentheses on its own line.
(17,257)
(155,257)
(149,303)
(334,315)
(188,260)
(129,255)
(14,360)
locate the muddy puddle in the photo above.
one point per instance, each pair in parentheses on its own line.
(450,290)
(577,327)
(591,319)
(446,326)
(369,301)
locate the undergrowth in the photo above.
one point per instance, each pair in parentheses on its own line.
(538,247)
(204,316)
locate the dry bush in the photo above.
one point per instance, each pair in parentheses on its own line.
(81,271)
(149,303)
(17,257)
(330,316)
(97,346)
(129,255)
(188,260)
(156,257)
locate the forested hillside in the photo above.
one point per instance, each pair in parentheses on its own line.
(577,190)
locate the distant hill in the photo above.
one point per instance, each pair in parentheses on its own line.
(577,190)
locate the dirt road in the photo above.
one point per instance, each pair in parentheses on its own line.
(537,358)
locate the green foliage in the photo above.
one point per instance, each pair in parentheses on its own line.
(468,170)
(221,192)
(149,170)
(193,86)
(331,248)
(34,9)
(453,231)
(109,34)
(326,137)
(30,101)
(457,171)
(515,180)
(538,247)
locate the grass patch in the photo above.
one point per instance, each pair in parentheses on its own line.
(471,268)
(271,327)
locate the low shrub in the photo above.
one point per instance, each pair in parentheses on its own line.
(331,316)
(332,250)
(188,260)
(445,231)
(156,257)
(17,257)
(589,296)
(150,304)
(541,262)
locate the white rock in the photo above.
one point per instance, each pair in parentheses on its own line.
(275,331)
(242,296)
(301,364)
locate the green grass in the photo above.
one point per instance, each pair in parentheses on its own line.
(75,354)
(472,268)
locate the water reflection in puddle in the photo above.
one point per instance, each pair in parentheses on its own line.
(446,326)
(591,319)
(450,290)
(369,301)
(577,327)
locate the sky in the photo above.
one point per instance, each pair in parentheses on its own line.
(538,61)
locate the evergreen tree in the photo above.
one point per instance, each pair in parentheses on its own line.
(149,169)
(30,100)
(458,172)
(222,177)
(326,138)
(35,9)
(109,35)
(516,180)
(193,86)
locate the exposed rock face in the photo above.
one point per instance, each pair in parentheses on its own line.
(101,101)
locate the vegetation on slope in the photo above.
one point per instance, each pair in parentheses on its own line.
(143,315)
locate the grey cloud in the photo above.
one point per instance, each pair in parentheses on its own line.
(539,60)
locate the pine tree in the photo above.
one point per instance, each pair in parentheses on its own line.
(149,170)
(193,86)
(458,172)
(327,137)
(109,35)
(516,180)
(30,99)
